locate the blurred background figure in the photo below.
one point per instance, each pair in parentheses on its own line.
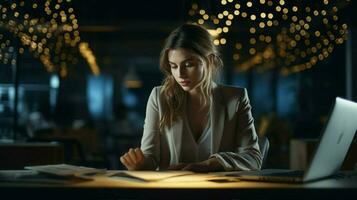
(39,121)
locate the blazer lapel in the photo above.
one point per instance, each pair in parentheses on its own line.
(217,119)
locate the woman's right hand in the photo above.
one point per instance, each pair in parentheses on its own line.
(133,159)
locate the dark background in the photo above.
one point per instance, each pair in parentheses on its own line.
(126,35)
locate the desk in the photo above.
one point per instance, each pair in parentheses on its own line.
(120,188)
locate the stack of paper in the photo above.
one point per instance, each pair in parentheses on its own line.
(65,170)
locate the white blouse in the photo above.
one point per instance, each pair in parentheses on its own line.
(195,151)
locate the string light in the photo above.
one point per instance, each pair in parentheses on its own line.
(89,56)
(47,29)
(312,32)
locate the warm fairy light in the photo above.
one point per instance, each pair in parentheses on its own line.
(89,56)
(236,56)
(44,29)
(238,46)
(205,17)
(297,37)
(214,32)
(308,19)
(261,37)
(269,23)
(261,24)
(267,39)
(275,23)
(285,17)
(334,9)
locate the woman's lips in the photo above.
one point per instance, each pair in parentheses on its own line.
(185,83)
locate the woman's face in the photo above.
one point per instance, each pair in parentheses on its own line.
(186,67)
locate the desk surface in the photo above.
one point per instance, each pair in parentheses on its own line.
(191,186)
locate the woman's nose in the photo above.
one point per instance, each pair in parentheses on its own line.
(182,71)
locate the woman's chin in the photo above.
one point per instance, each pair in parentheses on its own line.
(186,89)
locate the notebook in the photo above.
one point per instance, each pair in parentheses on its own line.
(329,155)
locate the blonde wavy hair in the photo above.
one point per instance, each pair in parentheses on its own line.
(196,39)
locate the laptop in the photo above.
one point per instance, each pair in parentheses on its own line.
(329,155)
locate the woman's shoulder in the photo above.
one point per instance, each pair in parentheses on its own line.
(154,97)
(231,91)
(155,93)
(156,89)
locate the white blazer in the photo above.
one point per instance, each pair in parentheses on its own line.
(234,139)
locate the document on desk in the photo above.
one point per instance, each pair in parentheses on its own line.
(169,176)
(30,176)
(150,176)
(65,170)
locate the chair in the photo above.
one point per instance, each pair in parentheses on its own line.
(73,150)
(19,154)
(264,148)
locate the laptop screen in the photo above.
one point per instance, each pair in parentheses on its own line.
(335,140)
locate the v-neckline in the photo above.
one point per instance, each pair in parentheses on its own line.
(204,131)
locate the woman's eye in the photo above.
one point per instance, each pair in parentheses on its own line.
(173,66)
(189,65)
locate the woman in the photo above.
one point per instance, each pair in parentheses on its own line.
(191,122)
